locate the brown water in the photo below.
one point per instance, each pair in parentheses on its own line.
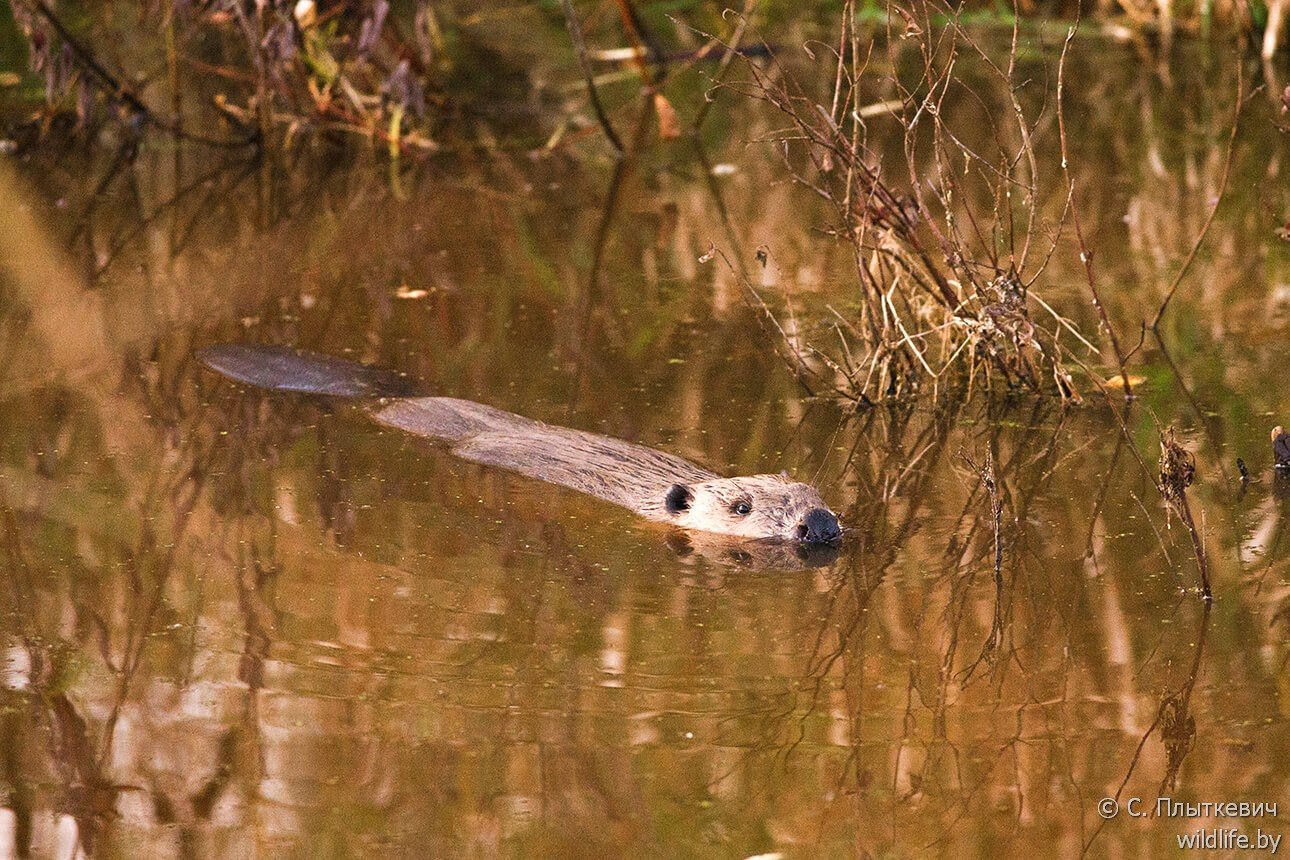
(247,625)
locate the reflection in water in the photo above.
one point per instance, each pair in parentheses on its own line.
(751,555)
(238,624)
(1175,723)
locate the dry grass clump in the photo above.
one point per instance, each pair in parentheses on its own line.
(948,248)
(270,70)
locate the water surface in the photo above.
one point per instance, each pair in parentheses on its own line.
(237,624)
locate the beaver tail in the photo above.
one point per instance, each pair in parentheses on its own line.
(280,368)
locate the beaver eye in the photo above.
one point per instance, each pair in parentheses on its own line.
(742,508)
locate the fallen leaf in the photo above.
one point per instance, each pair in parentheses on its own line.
(1117,382)
(669,127)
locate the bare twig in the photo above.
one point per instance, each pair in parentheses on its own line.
(731,50)
(1218,200)
(580,49)
(1085,255)
(121,92)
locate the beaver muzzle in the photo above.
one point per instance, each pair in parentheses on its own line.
(819,526)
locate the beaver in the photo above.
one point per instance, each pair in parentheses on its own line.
(658,486)
(1281,449)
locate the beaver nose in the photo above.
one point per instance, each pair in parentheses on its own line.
(819,526)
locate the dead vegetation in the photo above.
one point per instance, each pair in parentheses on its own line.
(1177,470)
(241,74)
(948,247)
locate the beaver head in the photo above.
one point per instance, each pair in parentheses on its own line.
(760,506)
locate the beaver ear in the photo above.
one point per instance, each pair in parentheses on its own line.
(678,498)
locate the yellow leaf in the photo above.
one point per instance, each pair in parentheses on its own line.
(1117,381)
(406,292)
(669,127)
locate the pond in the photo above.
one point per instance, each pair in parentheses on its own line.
(239,623)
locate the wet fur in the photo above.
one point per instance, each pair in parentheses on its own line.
(656,485)
(630,475)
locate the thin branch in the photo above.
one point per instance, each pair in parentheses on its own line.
(123,93)
(580,48)
(1222,192)
(731,49)
(1085,255)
